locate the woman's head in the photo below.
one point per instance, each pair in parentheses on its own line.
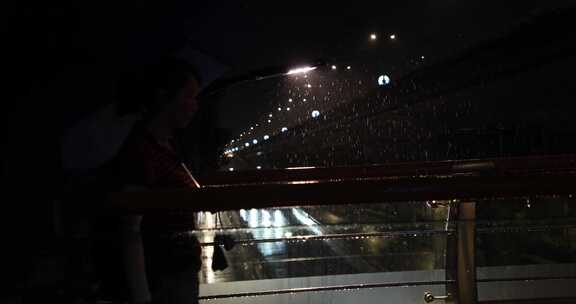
(165,91)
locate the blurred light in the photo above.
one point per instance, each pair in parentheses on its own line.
(304,99)
(247,144)
(373,36)
(255,141)
(251,128)
(269,121)
(266,137)
(270,115)
(243,214)
(383,80)
(393,36)
(309,85)
(284,129)
(315,113)
(300,70)
(257,125)
(289,99)
(266,218)
(288,234)
(348,67)
(422,57)
(279,109)
(258,167)
(333,67)
(230,169)
(287,109)
(232,141)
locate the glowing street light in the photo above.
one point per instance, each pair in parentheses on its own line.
(270,115)
(373,36)
(279,109)
(393,36)
(247,144)
(333,67)
(383,80)
(301,70)
(289,99)
(269,121)
(315,113)
(287,109)
(348,67)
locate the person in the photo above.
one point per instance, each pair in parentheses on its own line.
(160,263)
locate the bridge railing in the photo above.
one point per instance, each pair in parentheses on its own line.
(475,203)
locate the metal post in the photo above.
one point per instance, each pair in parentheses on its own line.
(461,255)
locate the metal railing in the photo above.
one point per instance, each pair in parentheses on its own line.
(460,183)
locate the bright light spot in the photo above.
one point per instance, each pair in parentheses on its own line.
(348,67)
(230,169)
(393,36)
(333,67)
(266,137)
(304,99)
(243,214)
(289,99)
(308,85)
(288,234)
(258,167)
(300,70)
(232,141)
(422,57)
(287,109)
(241,135)
(315,113)
(247,144)
(383,80)
(284,129)
(269,121)
(255,141)
(279,109)
(251,128)
(270,115)
(373,36)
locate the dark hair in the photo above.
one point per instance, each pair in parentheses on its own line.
(138,86)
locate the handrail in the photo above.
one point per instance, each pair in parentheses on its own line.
(513,177)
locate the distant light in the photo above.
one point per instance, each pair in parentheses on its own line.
(284,129)
(251,128)
(270,115)
(232,141)
(279,109)
(315,113)
(255,141)
(257,125)
(241,135)
(304,99)
(309,85)
(348,67)
(383,80)
(300,70)
(247,144)
(422,57)
(266,137)
(269,121)
(258,167)
(373,36)
(287,109)
(289,99)
(393,36)
(230,169)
